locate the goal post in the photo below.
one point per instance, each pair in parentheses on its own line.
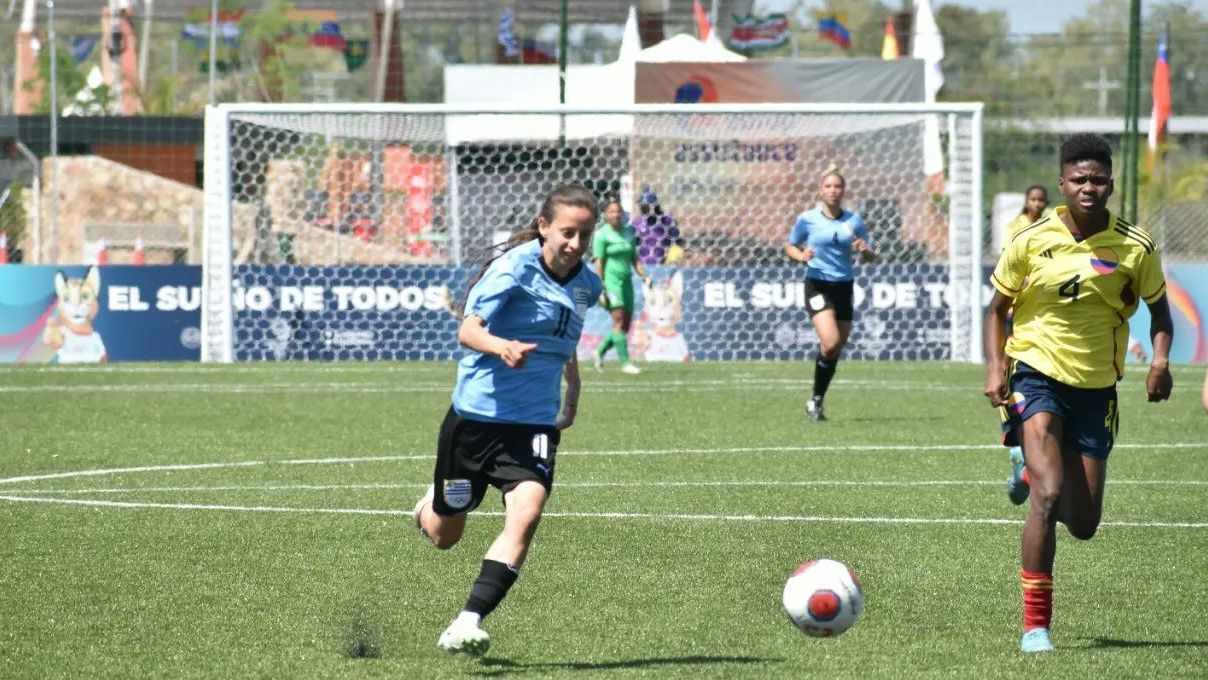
(347,231)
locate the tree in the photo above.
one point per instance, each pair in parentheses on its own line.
(977,55)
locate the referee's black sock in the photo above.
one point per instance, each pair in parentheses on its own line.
(824,370)
(491,587)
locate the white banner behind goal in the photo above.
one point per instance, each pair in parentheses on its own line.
(345,232)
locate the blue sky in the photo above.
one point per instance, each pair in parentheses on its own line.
(1025,16)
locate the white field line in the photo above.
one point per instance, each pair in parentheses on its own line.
(589,515)
(118,471)
(632,452)
(599,485)
(450,366)
(446,386)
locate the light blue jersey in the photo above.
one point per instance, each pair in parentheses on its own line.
(831,241)
(519,299)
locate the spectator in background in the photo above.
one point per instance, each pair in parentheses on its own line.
(1035,206)
(659,240)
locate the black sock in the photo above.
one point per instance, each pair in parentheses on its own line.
(824,370)
(491,587)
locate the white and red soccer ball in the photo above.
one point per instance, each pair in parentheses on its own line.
(823,598)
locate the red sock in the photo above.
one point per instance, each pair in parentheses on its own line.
(1026,480)
(1037,599)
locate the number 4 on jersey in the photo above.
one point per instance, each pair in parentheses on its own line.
(1070,288)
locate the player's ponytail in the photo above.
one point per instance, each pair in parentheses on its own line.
(573,195)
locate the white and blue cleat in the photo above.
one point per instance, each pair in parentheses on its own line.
(1017,489)
(1036,640)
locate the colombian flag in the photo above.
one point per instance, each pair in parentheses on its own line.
(831,27)
(1161,95)
(1104,261)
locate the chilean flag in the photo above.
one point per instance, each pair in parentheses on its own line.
(1161,95)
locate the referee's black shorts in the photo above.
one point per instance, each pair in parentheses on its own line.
(823,295)
(472,455)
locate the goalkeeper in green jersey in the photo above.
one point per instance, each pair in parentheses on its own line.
(616,252)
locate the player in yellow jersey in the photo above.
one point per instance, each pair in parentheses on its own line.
(1055,377)
(1035,206)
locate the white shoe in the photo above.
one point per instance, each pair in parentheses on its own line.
(426,499)
(630,369)
(597,362)
(464,637)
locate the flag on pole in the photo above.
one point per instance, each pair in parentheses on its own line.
(759,33)
(1160,114)
(890,49)
(631,39)
(928,45)
(832,26)
(505,36)
(703,25)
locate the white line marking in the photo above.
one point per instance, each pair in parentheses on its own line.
(429,387)
(591,515)
(601,485)
(116,471)
(632,452)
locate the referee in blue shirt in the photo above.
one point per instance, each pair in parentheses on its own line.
(521,322)
(824,239)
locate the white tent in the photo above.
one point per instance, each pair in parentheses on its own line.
(606,85)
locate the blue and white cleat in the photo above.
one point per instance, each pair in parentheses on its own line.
(1017,489)
(1036,640)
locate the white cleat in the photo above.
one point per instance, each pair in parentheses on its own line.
(426,499)
(630,369)
(464,637)
(597,362)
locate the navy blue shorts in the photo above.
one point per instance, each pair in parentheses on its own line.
(1089,415)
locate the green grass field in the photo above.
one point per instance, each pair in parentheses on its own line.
(254,521)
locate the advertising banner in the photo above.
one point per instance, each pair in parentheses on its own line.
(335,313)
(77,314)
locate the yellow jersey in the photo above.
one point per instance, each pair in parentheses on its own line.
(1073,298)
(1022,220)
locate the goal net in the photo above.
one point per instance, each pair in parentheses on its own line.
(348,232)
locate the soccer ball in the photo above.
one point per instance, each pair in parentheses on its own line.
(823,598)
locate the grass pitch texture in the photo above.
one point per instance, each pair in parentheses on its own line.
(193,521)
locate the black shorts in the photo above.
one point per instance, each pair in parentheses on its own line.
(1089,416)
(471,455)
(823,295)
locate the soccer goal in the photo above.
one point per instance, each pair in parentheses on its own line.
(348,231)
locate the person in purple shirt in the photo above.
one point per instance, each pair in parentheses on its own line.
(657,231)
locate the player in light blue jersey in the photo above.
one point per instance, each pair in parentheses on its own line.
(521,323)
(824,239)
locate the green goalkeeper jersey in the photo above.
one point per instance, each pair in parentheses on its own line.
(616,248)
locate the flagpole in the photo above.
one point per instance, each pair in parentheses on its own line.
(562,57)
(53,226)
(213,49)
(1128,204)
